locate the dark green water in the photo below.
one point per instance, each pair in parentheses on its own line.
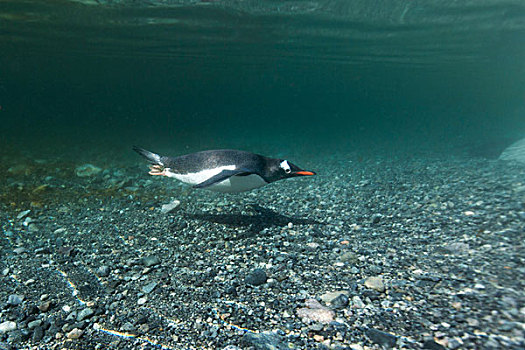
(91,78)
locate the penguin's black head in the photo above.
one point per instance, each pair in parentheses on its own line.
(283,169)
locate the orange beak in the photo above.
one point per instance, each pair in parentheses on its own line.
(304,173)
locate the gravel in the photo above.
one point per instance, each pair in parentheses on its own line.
(406,253)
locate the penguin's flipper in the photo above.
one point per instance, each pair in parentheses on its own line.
(223,175)
(153,158)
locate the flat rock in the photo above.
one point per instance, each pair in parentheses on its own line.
(7,326)
(166,208)
(375,283)
(87,170)
(328,297)
(315,311)
(256,277)
(264,341)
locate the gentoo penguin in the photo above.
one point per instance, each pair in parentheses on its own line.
(222,170)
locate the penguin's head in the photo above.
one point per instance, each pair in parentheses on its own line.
(283,169)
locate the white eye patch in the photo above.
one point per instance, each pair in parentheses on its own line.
(285,166)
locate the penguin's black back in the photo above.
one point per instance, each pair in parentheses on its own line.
(195,162)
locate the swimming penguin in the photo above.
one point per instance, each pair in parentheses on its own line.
(223,170)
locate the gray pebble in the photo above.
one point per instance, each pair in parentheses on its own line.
(264,341)
(150,260)
(382,338)
(256,277)
(85,313)
(148,288)
(103,271)
(15,299)
(7,326)
(34,324)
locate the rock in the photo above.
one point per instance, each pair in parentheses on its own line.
(316,312)
(85,313)
(34,324)
(457,247)
(375,283)
(232,347)
(515,152)
(142,301)
(382,338)
(38,334)
(166,208)
(22,214)
(376,218)
(329,296)
(148,288)
(19,250)
(7,326)
(340,302)
(15,299)
(87,170)
(256,277)
(75,333)
(103,271)
(150,260)
(432,345)
(357,302)
(264,341)
(45,306)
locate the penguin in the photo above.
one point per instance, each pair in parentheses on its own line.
(223,170)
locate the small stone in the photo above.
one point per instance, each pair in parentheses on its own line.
(376,218)
(128,327)
(340,302)
(45,306)
(85,313)
(7,326)
(75,333)
(264,341)
(33,228)
(87,170)
(34,324)
(469,213)
(357,302)
(22,214)
(142,301)
(103,271)
(316,312)
(375,283)
(148,288)
(38,334)
(328,297)
(256,277)
(15,299)
(382,338)
(166,208)
(150,260)
(19,250)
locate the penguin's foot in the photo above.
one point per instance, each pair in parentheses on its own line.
(156,169)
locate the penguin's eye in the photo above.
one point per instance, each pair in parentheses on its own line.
(285,166)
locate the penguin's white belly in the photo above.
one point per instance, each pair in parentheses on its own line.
(230,185)
(238,184)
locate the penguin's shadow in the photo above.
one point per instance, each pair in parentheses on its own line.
(263,218)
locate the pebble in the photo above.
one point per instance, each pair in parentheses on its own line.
(375,283)
(148,288)
(329,296)
(85,313)
(103,271)
(38,334)
(34,324)
(382,338)
(75,333)
(142,301)
(15,299)
(166,208)
(44,306)
(265,341)
(22,214)
(7,326)
(314,311)
(87,170)
(150,260)
(256,277)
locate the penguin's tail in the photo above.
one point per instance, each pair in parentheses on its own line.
(153,158)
